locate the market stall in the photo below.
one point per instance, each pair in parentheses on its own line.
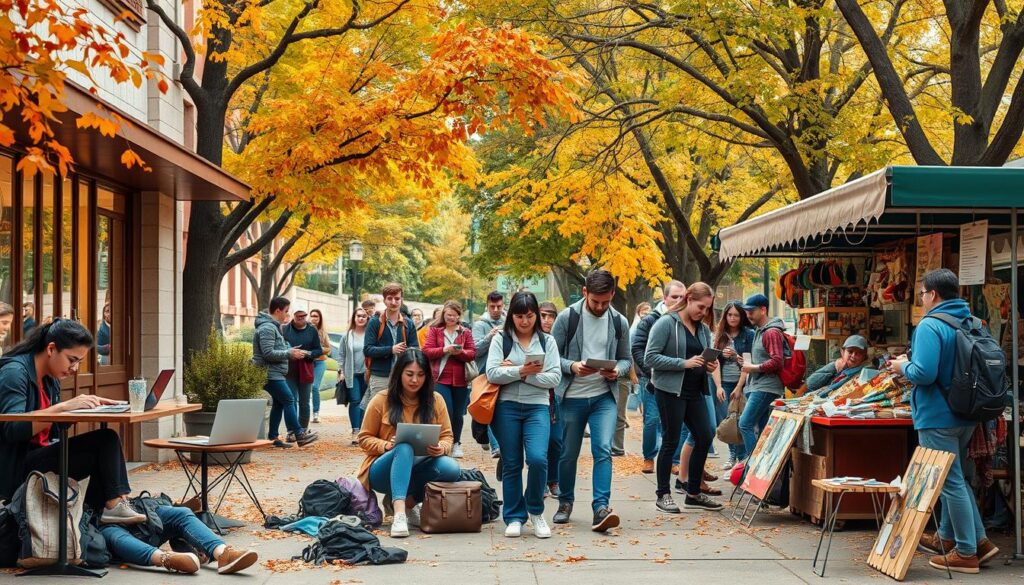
(862,250)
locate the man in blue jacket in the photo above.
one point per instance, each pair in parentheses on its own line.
(387,335)
(930,368)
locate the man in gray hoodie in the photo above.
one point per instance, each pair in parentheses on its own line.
(484,330)
(590,330)
(271,351)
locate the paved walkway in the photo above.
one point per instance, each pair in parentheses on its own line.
(649,548)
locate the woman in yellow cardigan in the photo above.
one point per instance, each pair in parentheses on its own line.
(392,468)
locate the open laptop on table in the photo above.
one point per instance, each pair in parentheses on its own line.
(152,399)
(236,421)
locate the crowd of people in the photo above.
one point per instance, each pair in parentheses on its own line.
(562,376)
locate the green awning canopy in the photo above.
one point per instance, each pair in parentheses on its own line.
(891,203)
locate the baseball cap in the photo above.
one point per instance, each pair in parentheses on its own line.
(755,302)
(857,341)
(300,307)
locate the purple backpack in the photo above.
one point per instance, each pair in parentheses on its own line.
(362,503)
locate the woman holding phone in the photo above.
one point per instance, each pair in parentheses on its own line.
(679,373)
(449,346)
(393,468)
(523,360)
(734,337)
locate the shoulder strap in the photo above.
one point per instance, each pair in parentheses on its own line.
(380,327)
(574,323)
(544,341)
(947,319)
(506,345)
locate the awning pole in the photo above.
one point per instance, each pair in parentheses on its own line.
(1014,360)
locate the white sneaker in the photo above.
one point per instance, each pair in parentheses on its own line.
(316,417)
(414,515)
(514,530)
(457,451)
(400,526)
(729,464)
(122,513)
(540,526)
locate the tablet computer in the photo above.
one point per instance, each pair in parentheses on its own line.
(534,358)
(418,436)
(600,364)
(710,354)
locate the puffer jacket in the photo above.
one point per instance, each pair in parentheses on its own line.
(269,348)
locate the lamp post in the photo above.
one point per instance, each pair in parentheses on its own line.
(355,256)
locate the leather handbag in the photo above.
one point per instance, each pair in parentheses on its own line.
(472,371)
(450,507)
(729,429)
(482,399)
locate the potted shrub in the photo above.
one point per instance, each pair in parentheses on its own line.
(222,371)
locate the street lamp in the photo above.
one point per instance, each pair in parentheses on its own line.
(355,256)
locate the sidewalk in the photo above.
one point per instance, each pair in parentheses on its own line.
(648,548)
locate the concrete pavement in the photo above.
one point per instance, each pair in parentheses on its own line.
(648,548)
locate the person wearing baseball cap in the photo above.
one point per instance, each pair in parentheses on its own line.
(833,375)
(764,385)
(299,333)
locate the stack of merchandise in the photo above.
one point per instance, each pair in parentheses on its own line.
(886,395)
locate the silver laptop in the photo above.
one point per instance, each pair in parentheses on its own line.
(236,421)
(419,436)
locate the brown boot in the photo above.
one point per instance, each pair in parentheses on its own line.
(986,551)
(176,562)
(956,562)
(233,560)
(710,477)
(930,543)
(648,466)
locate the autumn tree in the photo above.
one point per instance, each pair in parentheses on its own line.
(448,274)
(371,112)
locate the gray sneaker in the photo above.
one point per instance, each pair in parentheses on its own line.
(122,513)
(667,504)
(701,502)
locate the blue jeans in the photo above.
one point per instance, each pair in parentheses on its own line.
(522,427)
(737,452)
(178,523)
(397,473)
(652,422)
(456,400)
(355,387)
(755,417)
(961,520)
(283,403)
(555,442)
(301,391)
(493,440)
(600,414)
(319,367)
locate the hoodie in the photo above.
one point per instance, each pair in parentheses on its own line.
(767,353)
(482,336)
(269,349)
(19,394)
(932,355)
(666,354)
(638,343)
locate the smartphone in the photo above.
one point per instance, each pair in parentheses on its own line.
(457,346)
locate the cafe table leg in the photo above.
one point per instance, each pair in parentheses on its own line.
(62,567)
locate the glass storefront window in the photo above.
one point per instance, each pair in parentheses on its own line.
(29,314)
(110,299)
(67,247)
(6,242)
(48,245)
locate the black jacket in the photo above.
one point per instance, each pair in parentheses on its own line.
(638,346)
(379,350)
(18,394)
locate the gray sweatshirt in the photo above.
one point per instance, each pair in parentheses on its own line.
(534,389)
(570,350)
(482,337)
(269,349)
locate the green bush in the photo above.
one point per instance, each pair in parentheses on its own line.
(222,371)
(246,333)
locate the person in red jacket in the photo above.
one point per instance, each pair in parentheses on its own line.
(449,346)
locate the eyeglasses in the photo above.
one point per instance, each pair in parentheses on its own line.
(73,361)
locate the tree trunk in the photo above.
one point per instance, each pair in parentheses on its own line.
(201,277)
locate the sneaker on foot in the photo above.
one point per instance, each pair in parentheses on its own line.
(563,513)
(679,486)
(540,526)
(701,502)
(709,477)
(316,417)
(648,466)
(496,454)
(400,526)
(282,445)
(514,529)
(413,514)
(177,562)
(553,489)
(233,560)
(290,437)
(604,519)
(457,451)
(122,513)
(986,551)
(618,452)
(956,562)
(930,543)
(667,504)
(729,464)
(306,438)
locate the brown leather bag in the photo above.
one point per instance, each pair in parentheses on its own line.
(451,507)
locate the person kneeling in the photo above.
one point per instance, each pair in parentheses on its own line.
(394,469)
(182,524)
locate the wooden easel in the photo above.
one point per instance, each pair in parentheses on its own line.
(766,462)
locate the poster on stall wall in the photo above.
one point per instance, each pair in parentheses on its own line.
(929,257)
(973,248)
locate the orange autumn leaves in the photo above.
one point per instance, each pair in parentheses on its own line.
(398,128)
(41,43)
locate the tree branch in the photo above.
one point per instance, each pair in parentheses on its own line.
(266,237)
(239,220)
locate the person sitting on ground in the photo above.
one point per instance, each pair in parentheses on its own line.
(178,523)
(394,469)
(30,375)
(835,374)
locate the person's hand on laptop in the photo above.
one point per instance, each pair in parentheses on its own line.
(435,450)
(83,401)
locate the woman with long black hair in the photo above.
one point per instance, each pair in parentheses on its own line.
(30,374)
(527,373)
(393,468)
(734,336)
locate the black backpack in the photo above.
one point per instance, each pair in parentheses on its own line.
(490,505)
(353,544)
(574,324)
(978,390)
(324,498)
(10,539)
(507,341)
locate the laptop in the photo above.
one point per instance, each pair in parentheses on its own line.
(236,421)
(152,399)
(418,436)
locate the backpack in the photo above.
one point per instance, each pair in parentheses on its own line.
(10,543)
(507,341)
(794,362)
(324,498)
(490,505)
(574,323)
(978,390)
(35,507)
(362,504)
(95,553)
(352,544)
(380,333)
